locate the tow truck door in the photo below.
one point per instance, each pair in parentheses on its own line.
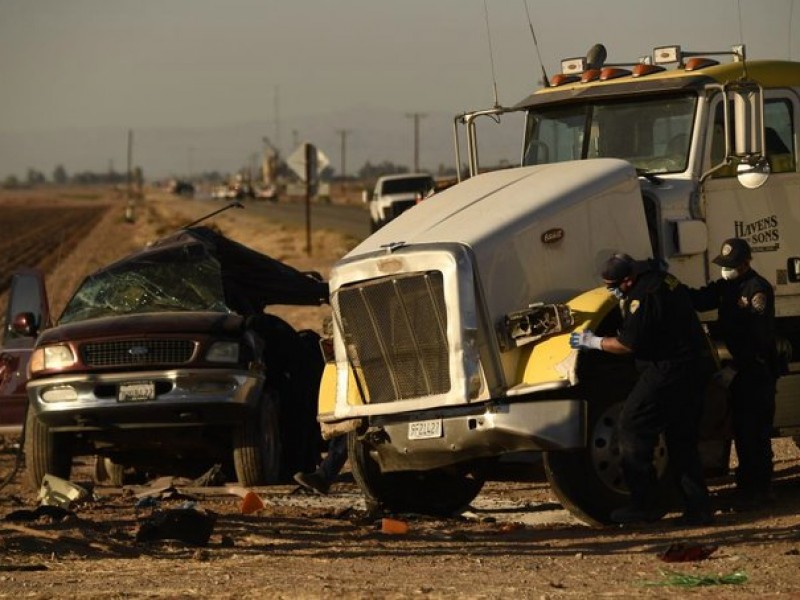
(767,217)
(28,296)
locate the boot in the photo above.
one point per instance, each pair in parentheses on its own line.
(313,482)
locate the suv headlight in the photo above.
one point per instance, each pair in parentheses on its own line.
(223,352)
(57,356)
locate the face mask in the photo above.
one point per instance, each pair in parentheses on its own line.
(729,273)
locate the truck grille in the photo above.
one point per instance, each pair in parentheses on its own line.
(395,332)
(137,352)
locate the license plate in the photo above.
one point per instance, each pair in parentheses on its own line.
(424,430)
(136,392)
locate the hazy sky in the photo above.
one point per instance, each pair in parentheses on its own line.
(185,63)
(189,62)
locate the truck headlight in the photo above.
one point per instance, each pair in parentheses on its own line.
(57,356)
(223,352)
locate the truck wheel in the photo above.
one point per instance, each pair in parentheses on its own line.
(589,482)
(256,445)
(439,492)
(107,472)
(45,452)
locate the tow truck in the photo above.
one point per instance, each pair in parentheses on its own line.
(451,323)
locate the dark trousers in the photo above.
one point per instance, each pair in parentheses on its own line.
(335,458)
(667,398)
(753,410)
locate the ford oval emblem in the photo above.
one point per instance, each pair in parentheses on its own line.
(552,235)
(138,350)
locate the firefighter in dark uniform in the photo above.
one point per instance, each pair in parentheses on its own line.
(746,320)
(672,357)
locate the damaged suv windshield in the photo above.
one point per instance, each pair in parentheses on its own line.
(183,278)
(652,134)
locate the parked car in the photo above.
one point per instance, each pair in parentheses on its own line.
(395,194)
(166,362)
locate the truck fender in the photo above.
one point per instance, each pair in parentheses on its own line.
(551,362)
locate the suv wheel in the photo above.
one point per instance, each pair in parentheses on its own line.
(45,452)
(256,445)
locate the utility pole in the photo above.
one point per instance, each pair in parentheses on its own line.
(416,117)
(343,133)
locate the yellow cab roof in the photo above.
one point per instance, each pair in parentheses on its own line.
(768,73)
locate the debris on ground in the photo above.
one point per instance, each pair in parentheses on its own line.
(672,578)
(251,503)
(393,526)
(188,525)
(60,492)
(687,552)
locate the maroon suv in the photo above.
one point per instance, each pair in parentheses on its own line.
(166,362)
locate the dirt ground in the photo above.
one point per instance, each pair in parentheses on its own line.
(517,541)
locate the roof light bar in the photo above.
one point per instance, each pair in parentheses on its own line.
(674,54)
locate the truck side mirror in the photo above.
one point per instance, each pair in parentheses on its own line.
(748,117)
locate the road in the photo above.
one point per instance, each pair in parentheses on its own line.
(352,220)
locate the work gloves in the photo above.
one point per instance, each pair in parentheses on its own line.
(585,340)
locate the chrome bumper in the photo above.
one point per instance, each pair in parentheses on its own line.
(498,429)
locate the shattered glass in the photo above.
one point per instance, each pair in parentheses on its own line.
(175,279)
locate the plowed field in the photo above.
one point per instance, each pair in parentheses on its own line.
(41,236)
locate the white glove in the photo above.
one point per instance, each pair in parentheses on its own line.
(585,340)
(724,377)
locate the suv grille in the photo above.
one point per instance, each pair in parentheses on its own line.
(395,331)
(137,352)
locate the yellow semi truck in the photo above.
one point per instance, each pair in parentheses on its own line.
(451,323)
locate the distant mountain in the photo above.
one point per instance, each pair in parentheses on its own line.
(372,135)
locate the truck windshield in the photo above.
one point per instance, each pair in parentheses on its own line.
(652,133)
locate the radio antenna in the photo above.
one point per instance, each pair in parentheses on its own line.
(545,81)
(741,38)
(491,54)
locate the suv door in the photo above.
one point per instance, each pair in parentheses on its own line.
(27,313)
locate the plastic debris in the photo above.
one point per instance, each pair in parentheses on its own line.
(146,502)
(184,524)
(60,492)
(56,513)
(251,503)
(393,526)
(671,578)
(687,552)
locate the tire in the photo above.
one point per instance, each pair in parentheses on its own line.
(438,492)
(589,482)
(256,445)
(107,472)
(45,452)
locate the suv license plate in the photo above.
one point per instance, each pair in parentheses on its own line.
(424,430)
(136,392)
